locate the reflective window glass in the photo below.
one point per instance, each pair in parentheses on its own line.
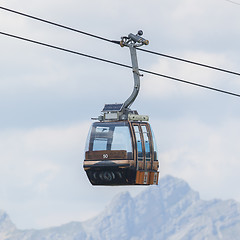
(139,143)
(110,136)
(154,146)
(121,139)
(99,144)
(88,140)
(146,142)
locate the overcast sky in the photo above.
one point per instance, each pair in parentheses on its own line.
(47,99)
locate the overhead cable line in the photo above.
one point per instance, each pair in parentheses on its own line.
(63,49)
(120,64)
(117,42)
(237,3)
(55,24)
(191,62)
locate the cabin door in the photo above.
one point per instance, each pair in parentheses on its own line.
(144,146)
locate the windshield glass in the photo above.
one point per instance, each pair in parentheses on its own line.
(109,136)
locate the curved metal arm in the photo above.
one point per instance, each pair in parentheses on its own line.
(121,111)
(133,41)
(136,76)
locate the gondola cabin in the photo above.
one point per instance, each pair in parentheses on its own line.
(121,153)
(120,148)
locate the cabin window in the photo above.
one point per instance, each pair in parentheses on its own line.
(146,142)
(154,146)
(139,143)
(110,136)
(121,139)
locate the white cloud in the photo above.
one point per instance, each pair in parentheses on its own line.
(206,156)
(41,175)
(33,161)
(42,181)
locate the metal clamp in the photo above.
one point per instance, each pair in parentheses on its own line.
(134,39)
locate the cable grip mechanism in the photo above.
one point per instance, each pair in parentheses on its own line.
(135,40)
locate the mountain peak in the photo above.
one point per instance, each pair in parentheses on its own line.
(120,201)
(6,225)
(170,190)
(171,211)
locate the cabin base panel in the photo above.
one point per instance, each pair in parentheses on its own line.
(147,178)
(111,176)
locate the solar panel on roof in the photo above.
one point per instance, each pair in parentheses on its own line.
(113,107)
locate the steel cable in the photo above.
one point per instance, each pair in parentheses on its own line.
(119,64)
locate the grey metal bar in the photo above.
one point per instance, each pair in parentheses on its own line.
(136,77)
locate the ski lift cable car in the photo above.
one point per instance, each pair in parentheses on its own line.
(120,148)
